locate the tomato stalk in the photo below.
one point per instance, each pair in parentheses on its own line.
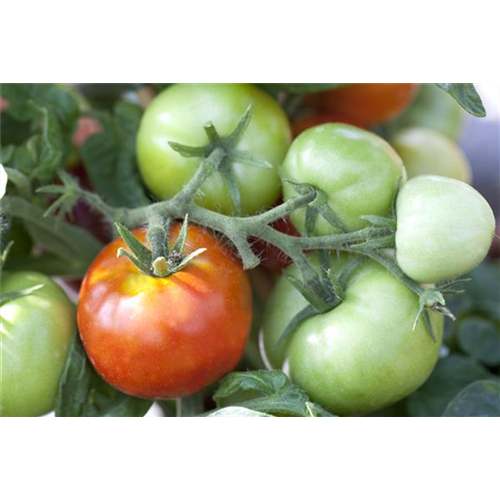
(219,155)
(20,457)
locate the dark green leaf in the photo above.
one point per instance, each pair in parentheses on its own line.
(466,95)
(479,399)
(268,392)
(480,338)
(56,236)
(109,157)
(450,376)
(82,393)
(48,264)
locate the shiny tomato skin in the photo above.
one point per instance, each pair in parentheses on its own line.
(369,103)
(161,338)
(319,118)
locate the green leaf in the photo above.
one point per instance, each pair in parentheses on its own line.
(237,411)
(479,399)
(300,88)
(109,157)
(480,339)
(450,376)
(48,264)
(466,95)
(265,391)
(56,236)
(82,393)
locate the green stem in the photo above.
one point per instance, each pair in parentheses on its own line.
(122,456)
(20,458)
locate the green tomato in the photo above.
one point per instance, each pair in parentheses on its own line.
(445,228)
(36,332)
(427,152)
(433,108)
(364,354)
(179,114)
(356,169)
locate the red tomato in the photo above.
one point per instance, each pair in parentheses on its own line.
(309,121)
(368,103)
(165,337)
(273,258)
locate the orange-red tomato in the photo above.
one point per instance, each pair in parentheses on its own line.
(368,103)
(319,118)
(165,337)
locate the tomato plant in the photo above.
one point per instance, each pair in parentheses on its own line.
(357,171)
(165,337)
(342,357)
(179,114)
(445,228)
(368,103)
(425,151)
(36,334)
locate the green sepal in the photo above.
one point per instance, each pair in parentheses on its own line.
(16,294)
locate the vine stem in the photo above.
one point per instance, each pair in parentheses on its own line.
(240,228)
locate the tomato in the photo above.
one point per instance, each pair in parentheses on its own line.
(310,121)
(368,103)
(165,337)
(445,228)
(426,151)
(357,170)
(179,114)
(362,355)
(36,332)
(271,257)
(433,108)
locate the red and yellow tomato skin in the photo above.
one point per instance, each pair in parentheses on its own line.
(161,338)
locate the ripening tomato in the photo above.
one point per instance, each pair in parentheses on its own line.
(165,337)
(360,356)
(445,228)
(180,113)
(368,103)
(309,121)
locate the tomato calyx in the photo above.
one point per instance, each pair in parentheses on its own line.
(161,261)
(228,154)
(318,206)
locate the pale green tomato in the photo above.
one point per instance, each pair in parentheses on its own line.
(445,228)
(356,169)
(35,333)
(433,108)
(362,355)
(427,152)
(179,114)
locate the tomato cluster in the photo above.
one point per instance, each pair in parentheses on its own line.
(175,326)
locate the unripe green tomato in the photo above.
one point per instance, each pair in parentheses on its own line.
(433,108)
(36,332)
(357,170)
(427,152)
(362,355)
(179,114)
(445,228)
